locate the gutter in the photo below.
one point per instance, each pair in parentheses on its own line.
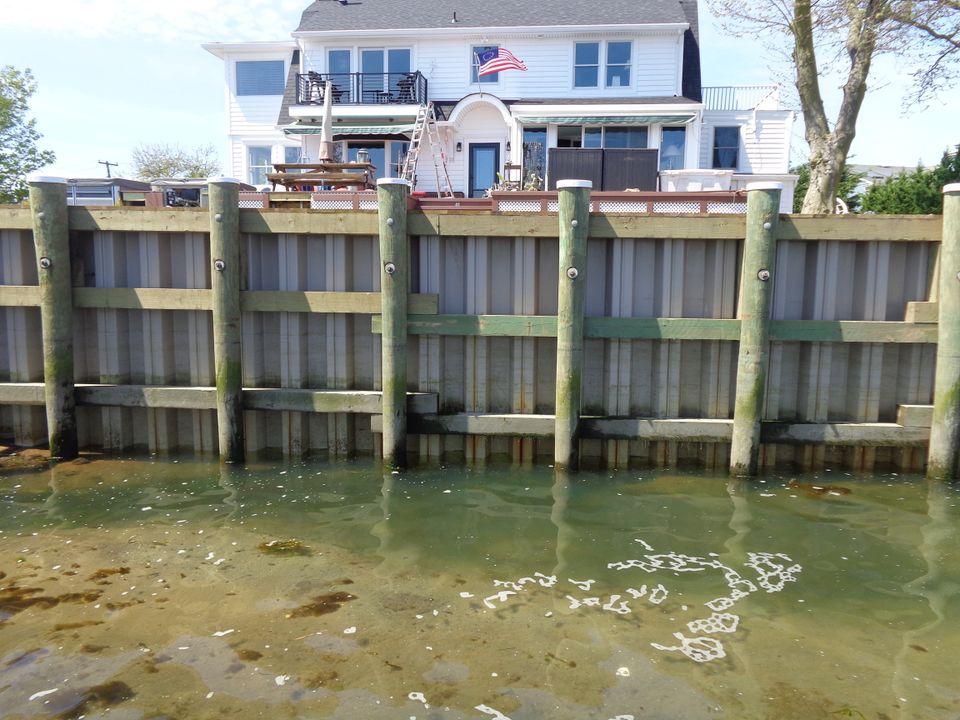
(638,28)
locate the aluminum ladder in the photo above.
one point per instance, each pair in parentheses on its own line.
(426,125)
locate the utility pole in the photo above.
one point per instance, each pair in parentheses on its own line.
(108,165)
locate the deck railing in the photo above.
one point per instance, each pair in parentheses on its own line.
(741,97)
(362,88)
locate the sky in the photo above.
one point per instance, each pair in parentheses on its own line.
(113,74)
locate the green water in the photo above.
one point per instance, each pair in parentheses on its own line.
(140,589)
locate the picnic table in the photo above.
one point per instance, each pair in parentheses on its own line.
(330,174)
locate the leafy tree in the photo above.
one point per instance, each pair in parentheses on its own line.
(159,160)
(19,153)
(914,193)
(845,36)
(846,187)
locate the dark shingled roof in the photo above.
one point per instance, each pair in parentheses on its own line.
(416,14)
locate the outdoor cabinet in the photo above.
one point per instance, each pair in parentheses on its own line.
(610,169)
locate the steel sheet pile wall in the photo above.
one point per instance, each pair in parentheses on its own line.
(661,336)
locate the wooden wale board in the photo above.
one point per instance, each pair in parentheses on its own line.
(850,331)
(204,398)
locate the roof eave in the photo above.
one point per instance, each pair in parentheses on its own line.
(222,49)
(640,28)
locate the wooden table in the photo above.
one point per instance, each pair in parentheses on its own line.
(332,174)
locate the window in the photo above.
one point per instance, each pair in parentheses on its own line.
(624,137)
(398,151)
(534,153)
(726,147)
(618,64)
(258,164)
(338,62)
(260,77)
(593,137)
(376,152)
(291,154)
(607,136)
(477,50)
(586,64)
(672,143)
(569,136)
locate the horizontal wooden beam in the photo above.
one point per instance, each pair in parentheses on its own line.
(915,415)
(143,298)
(861,228)
(139,219)
(922,312)
(15,218)
(848,331)
(204,398)
(307,222)
(861,434)
(19,295)
(361,303)
(679,430)
(662,328)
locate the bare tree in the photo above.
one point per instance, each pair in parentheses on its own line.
(159,160)
(849,34)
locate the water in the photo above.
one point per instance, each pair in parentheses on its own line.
(140,589)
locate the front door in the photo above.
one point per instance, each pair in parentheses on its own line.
(484,162)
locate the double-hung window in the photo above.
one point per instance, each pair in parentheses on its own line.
(726,147)
(609,60)
(475,76)
(258,164)
(260,77)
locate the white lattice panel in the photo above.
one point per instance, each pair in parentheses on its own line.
(526,206)
(255,204)
(729,207)
(368,205)
(553,207)
(623,207)
(676,207)
(331,204)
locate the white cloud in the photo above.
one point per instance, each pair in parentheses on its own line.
(197,21)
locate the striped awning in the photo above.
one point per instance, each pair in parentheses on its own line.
(678,119)
(395,129)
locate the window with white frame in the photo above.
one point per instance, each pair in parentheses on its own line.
(258,164)
(610,60)
(726,147)
(673,142)
(476,52)
(260,77)
(613,136)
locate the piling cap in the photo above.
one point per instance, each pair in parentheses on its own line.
(764,186)
(561,184)
(393,181)
(952,188)
(38,178)
(221,179)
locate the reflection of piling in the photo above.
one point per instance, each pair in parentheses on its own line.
(574,202)
(945,428)
(394,282)
(48,201)
(225,283)
(756,299)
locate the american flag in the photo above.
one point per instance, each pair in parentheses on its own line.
(497,59)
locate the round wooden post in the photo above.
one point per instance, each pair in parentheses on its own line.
(394,282)
(945,428)
(225,283)
(51,237)
(756,295)
(574,201)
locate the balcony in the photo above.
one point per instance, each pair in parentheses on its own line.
(742,97)
(363,88)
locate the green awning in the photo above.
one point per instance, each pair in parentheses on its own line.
(396,129)
(681,119)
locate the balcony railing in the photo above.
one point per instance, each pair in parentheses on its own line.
(742,97)
(362,88)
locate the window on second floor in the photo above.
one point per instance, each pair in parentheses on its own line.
(338,62)
(615,68)
(475,77)
(726,147)
(260,77)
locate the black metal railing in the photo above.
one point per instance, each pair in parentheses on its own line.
(362,88)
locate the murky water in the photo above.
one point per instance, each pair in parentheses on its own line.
(142,589)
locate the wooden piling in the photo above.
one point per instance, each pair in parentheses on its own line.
(394,286)
(51,237)
(944,448)
(574,215)
(756,298)
(225,283)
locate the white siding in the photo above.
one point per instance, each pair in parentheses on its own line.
(447,66)
(764,138)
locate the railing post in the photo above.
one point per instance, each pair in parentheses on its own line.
(945,428)
(394,282)
(756,294)
(225,283)
(51,237)
(574,216)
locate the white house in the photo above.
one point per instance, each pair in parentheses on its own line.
(611,90)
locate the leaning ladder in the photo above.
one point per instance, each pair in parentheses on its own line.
(426,124)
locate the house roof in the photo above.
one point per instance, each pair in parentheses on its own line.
(332,15)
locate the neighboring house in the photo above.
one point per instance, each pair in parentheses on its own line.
(105,191)
(610,75)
